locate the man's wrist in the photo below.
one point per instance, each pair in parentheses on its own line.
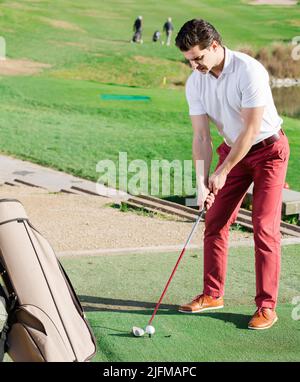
(202,181)
(224,168)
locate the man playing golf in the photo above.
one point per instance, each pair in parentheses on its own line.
(232,90)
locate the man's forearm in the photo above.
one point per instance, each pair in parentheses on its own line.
(252,118)
(202,156)
(239,149)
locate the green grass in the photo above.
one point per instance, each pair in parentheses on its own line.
(58,119)
(64,124)
(120,291)
(106,28)
(98,47)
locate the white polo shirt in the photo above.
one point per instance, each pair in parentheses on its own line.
(243,83)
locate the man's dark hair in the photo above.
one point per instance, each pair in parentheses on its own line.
(197,32)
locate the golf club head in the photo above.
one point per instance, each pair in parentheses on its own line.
(137,332)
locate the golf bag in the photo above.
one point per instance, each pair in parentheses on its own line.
(45,321)
(137,37)
(156,36)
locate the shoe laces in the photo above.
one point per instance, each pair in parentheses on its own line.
(261,311)
(198,297)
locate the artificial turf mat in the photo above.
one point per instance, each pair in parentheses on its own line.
(218,336)
(120,291)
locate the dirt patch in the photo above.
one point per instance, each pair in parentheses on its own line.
(75,44)
(15,5)
(273,2)
(62,44)
(61,24)
(149,60)
(75,222)
(102,14)
(156,61)
(23,7)
(98,54)
(11,67)
(295,23)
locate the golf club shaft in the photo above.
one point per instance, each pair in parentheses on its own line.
(176,265)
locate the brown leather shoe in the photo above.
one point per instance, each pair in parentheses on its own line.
(263,318)
(201,303)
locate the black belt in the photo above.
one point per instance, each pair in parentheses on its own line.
(268,141)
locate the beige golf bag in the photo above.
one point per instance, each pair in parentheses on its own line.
(45,321)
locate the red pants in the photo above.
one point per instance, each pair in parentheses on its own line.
(266,167)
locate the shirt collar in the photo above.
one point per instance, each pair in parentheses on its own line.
(228,63)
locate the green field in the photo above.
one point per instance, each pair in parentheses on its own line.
(57,117)
(75,129)
(120,291)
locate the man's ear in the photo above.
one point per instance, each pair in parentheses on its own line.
(215,45)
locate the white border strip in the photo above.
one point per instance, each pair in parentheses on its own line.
(161,248)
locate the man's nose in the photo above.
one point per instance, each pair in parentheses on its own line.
(194,65)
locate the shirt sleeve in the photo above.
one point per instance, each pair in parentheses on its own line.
(192,92)
(254,86)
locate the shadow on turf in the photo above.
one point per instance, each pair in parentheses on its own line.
(239,320)
(103,304)
(92,303)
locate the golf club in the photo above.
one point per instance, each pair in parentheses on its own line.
(150,330)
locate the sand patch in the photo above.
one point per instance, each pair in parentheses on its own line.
(11,67)
(23,7)
(77,45)
(98,54)
(149,60)
(102,14)
(62,44)
(273,2)
(14,5)
(61,24)
(295,23)
(102,41)
(156,61)
(7,30)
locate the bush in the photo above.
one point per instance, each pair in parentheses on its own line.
(278,60)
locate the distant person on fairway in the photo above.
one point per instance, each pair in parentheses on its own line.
(168,28)
(231,89)
(156,36)
(138,27)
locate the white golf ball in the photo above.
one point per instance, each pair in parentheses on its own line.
(138,332)
(150,329)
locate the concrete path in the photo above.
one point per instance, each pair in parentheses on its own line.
(163,248)
(290,200)
(15,171)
